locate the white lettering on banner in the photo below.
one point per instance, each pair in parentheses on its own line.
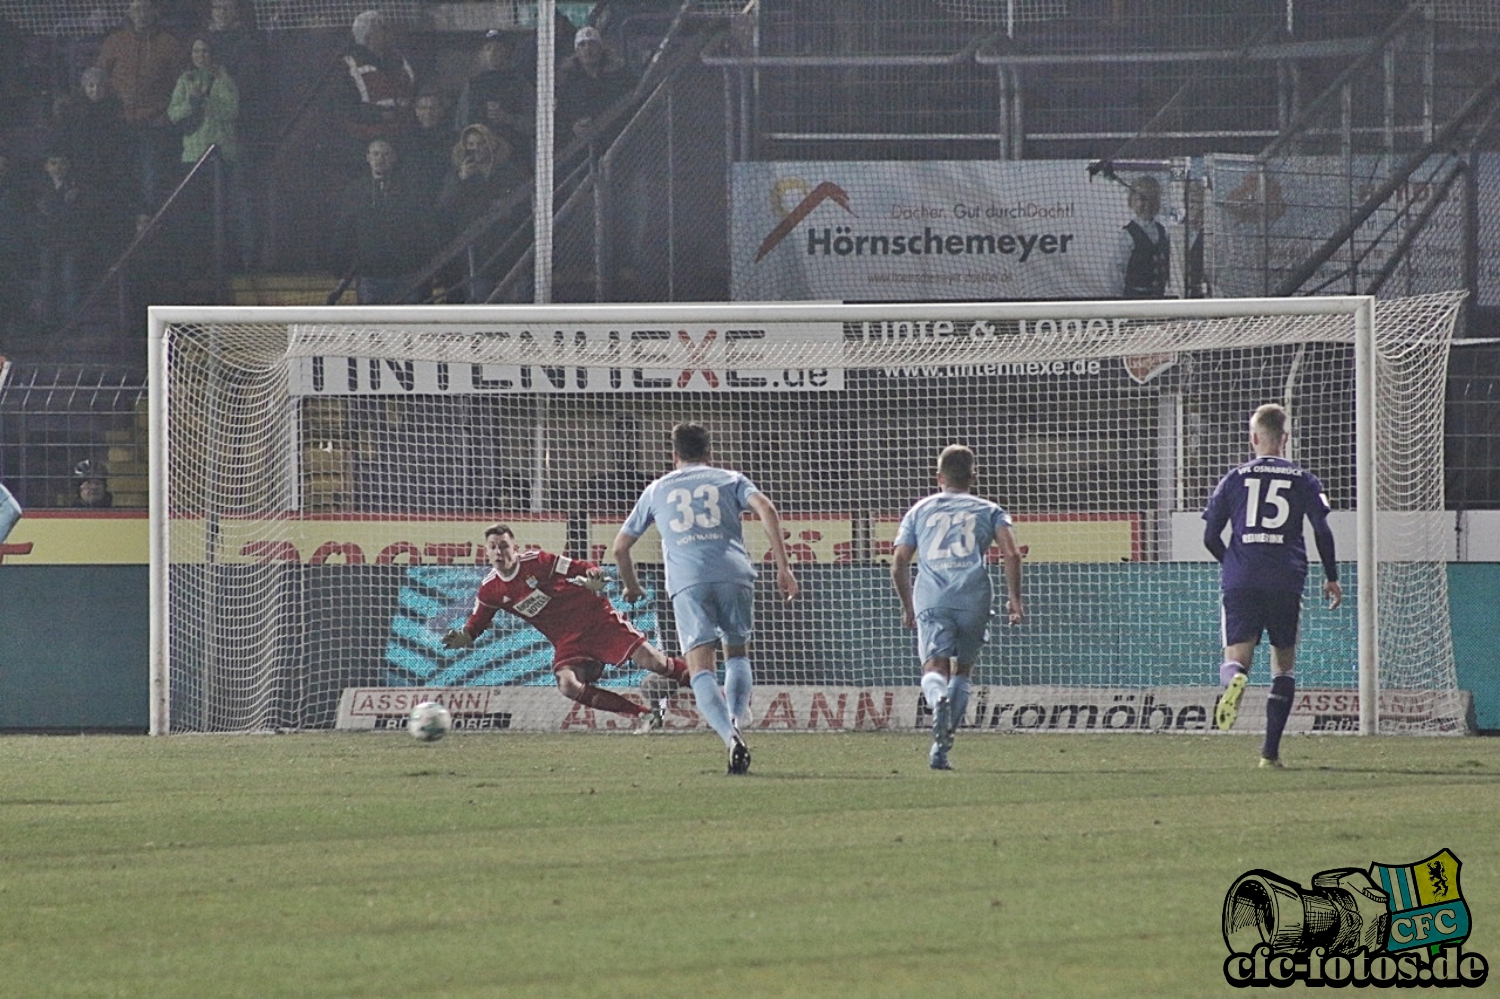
(866,709)
(774,357)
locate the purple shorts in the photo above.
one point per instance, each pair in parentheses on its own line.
(1248,613)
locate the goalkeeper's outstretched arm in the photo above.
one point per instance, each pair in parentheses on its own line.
(462,638)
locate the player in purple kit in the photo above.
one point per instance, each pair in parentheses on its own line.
(1264,567)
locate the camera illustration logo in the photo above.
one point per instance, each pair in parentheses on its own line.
(1389,926)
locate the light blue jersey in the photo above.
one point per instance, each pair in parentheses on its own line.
(697,509)
(951,532)
(10,512)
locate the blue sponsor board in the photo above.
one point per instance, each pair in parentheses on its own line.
(433,599)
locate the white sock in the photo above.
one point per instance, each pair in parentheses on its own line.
(934,688)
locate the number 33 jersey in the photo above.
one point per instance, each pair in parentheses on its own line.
(698,509)
(951,533)
(1264,502)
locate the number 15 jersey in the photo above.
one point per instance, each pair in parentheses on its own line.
(698,509)
(951,532)
(1264,501)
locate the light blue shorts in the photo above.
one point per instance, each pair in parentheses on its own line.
(952,634)
(713,612)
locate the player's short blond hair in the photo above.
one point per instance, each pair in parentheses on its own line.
(956,465)
(1270,421)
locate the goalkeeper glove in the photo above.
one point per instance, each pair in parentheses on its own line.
(593,581)
(457,639)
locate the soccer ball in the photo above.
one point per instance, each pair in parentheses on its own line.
(429,721)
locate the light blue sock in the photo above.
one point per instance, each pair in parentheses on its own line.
(738,681)
(934,688)
(711,705)
(958,696)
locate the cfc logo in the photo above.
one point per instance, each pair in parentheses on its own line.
(1388,926)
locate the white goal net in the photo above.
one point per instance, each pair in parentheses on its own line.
(322,479)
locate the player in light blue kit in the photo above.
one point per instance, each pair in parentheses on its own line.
(1263,503)
(10,512)
(697,509)
(948,533)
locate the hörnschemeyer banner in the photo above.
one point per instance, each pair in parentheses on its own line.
(892,231)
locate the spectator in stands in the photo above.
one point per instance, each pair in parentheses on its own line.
(142,63)
(206,108)
(93,487)
(383,233)
(66,222)
(90,128)
(613,17)
(484,174)
(382,85)
(563,31)
(428,151)
(242,50)
(1196,281)
(16,251)
(1145,253)
(500,95)
(589,83)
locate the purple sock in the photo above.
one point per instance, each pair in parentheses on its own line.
(1278,709)
(1227,672)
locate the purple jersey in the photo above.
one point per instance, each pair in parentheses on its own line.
(1263,501)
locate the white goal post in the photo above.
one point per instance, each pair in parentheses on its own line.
(321,478)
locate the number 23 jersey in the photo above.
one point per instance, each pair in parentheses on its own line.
(1264,502)
(951,533)
(698,509)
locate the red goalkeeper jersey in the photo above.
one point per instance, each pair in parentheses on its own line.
(580,624)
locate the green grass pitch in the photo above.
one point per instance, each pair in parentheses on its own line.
(501,864)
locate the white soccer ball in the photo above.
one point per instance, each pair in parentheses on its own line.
(429,721)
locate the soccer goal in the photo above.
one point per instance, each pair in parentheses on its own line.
(321,479)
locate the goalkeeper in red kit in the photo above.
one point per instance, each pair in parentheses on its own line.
(560,597)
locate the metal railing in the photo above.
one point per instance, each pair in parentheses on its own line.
(54,417)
